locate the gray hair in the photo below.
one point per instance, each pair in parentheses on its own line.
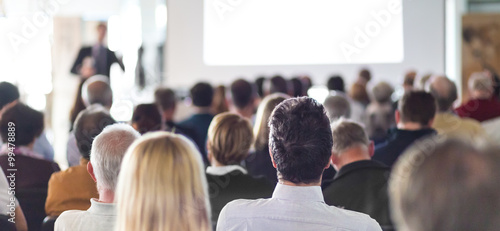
(347,134)
(96,90)
(382,92)
(337,107)
(445,92)
(478,81)
(107,153)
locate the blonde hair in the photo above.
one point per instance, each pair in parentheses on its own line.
(162,186)
(261,128)
(229,138)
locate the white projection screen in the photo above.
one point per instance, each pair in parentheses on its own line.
(221,40)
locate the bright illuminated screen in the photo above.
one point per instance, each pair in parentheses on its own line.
(300,32)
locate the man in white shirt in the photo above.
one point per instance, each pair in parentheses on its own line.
(300,143)
(108,149)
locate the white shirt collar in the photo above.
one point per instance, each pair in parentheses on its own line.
(298,193)
(223,170)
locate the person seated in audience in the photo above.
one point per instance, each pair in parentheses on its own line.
(9,201)
(446,184)
(337,106)
(201,94)
(409,81)
(162,186)
(359,94)
(9,96)
(414,117)
(108,149)
(445,121)
(301,144)
(483,105)
(259,84)
(74,187)
(146,118)
(336,83)
(229,140)
(360,183)
(95,90)
(276,84)
(243,96)
(28,124)
(219,101)
(258,163)
(364,77)
(379,115)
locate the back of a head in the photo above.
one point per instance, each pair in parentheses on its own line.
(8,93)
(146,118)
(378,118)
(242,93)
(229,138)
(88,124)
(107,153)
(417,107)
(202,94)
(382,92)
(358,93)
(96,90)
(162,186)
(336,83)
(298,87)
(165,98)
(409,79)
(278,84)
(479,82)
(259,84)
(365,75)
(347,134)
(27,122)
(445,92)
(300,140)
(337,107)
(261,127)
(446,184)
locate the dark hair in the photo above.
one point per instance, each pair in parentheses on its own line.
(336,83)
(8,93)
(418,107)
(165,98)
(88,124)
(365,74)
(242,93)
(146,118)
(202,94)
(259,83)
(27,122)
(297,87)
(278,84)
(300,139)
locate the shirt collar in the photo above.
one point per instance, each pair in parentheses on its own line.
(223,170)
(101,208)
(298,193)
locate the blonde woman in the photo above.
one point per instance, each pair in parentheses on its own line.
(259,162)
(162,186)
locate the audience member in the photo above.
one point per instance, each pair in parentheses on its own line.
(414,118)
(482,105)
(108,149)
(276,84)
(424,81)
(445,121)
(258,162)
(259,83)
(162,186)
(9,202)
(446,184)
(358,94)
(337,106)
(300,144)
(364,77)
(382,92)
(9,96)
(360,183)
(77,107)
(146,118)
(298,88)
(378,119)
(73,188)
(336,83)
(201,95)
(219,101)
(409,81)
(229,140)
(243,95)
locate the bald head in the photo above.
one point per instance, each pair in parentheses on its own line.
(96,90)
(445,92)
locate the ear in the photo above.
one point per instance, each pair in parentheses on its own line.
(90,169)
(272,158)
(371,149)
(334,161)
(431,122)
(397,115)
(209,155)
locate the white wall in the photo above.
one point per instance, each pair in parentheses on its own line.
(423,47)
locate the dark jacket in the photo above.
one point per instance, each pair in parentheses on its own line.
(235,185)
(199,123)
(362,186)
(87,52)
(397,142)
(31,172)
(259,163)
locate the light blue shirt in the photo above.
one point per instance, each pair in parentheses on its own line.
(292,208)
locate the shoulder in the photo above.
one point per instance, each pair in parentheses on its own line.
(68,218)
